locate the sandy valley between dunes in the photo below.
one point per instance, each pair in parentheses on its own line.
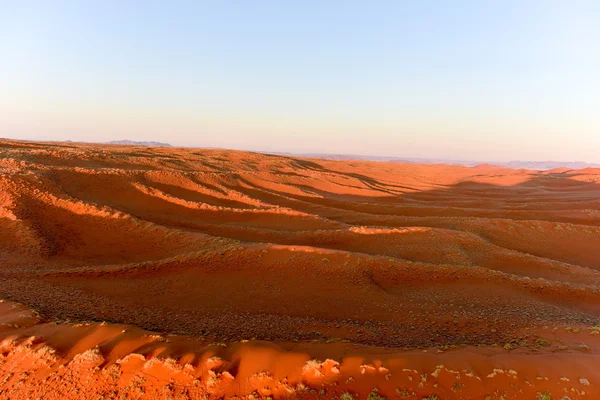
(138,272)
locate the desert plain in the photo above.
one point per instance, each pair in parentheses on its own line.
(174,273)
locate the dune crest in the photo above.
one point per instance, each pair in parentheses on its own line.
(223,273)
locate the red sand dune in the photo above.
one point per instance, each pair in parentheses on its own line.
(222,273)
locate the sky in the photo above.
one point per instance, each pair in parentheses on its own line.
(468,80)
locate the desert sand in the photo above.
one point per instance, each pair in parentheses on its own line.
(157,272)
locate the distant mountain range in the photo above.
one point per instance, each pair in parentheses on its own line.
(142,143)
(546,165)
(534,165)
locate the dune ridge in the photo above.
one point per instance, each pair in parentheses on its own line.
(319,258)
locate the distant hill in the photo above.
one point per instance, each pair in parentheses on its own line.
(517,164)
(546,165)
(533,165)
(142,143)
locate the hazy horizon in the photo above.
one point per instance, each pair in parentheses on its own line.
(480,81)
(333,155)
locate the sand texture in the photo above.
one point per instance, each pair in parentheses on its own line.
(166,273)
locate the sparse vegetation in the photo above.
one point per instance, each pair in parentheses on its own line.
(346,396)
(375,396)
(544,396)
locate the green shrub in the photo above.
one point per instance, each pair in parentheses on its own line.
(375,396)
(544,396)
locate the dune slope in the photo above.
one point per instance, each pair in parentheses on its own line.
(269,262)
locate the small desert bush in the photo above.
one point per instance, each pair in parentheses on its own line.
(375,396)
(544,396)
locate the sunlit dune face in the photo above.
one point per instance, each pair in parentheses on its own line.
(229,273)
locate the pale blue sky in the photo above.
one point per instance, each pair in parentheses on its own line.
(477,80)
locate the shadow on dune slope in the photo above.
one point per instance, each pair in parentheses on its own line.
(247,245)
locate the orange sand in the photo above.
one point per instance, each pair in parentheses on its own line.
(223,273)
